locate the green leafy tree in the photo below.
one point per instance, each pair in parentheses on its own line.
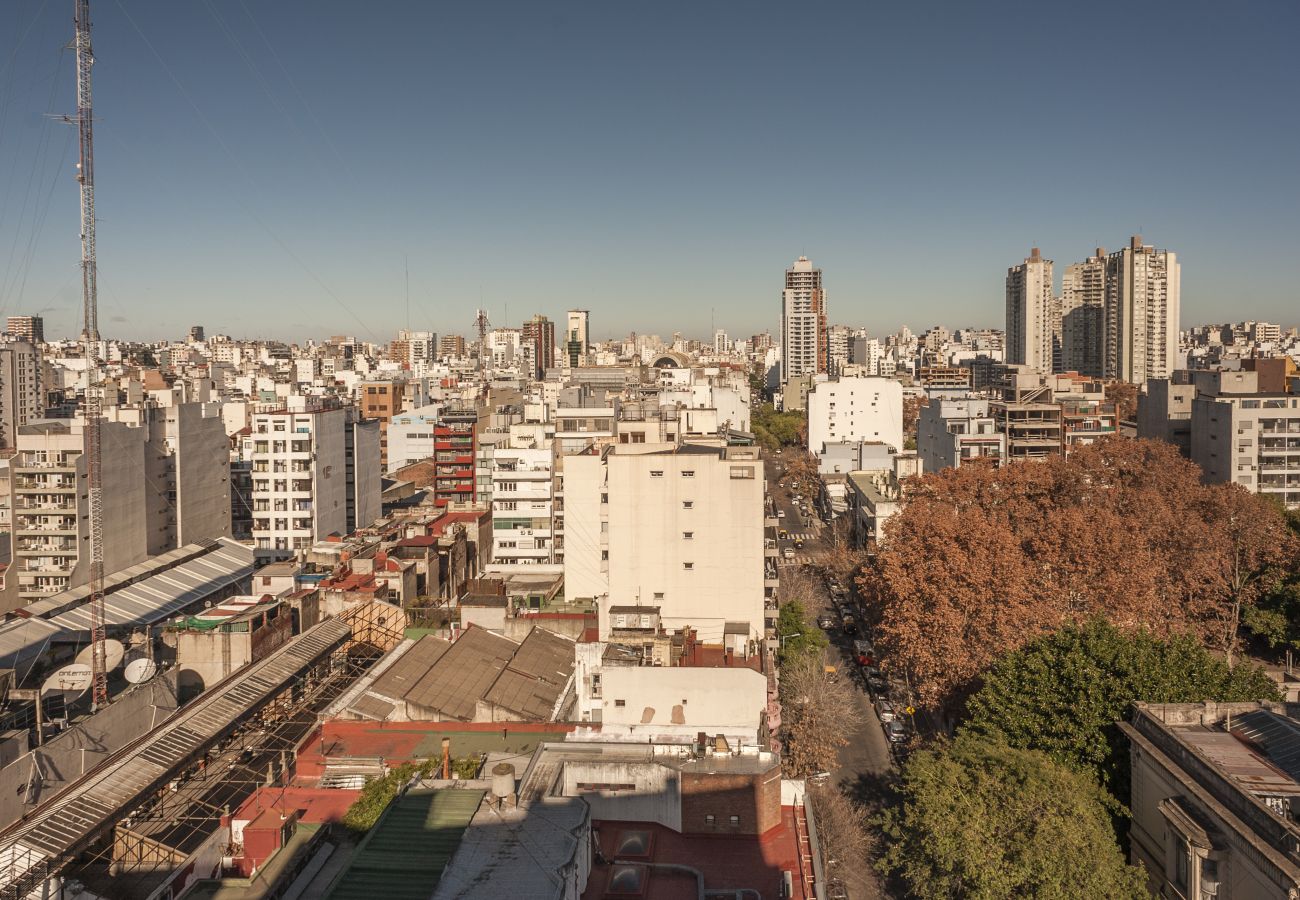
(798,636)
(1064,693)
(981,819)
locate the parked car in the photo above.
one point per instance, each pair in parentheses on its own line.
(780,514)
(864,653)
(825,622)
(850,626)
(788,553)
(876,680)
(896,731)
(885,711)
(798,544)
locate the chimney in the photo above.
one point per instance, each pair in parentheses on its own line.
(446,758)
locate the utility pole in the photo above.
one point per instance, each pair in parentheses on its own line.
(90,341)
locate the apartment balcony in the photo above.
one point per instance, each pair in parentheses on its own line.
(49,506)
(69,466)
(44,482)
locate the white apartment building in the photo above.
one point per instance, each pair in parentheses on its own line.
(21,400)
(1141,314)
(51,510)
(1033,321)
(315,473)
(803,321)
(411,436)
(839,339)
(952,432)
(1083,306)
(675,527)
(523,497)
(1246,437)
(855,409)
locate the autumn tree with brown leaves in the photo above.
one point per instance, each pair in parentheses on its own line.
(981,560)
(817,714)
(1124,395)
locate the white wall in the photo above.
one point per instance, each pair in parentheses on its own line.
(855,409)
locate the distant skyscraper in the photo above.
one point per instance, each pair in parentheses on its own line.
(538,344)
(1141,313)
(577,340)
(29,328)
(1033,324)
(804,348)
(196,334)
(721,342)
(1083,301)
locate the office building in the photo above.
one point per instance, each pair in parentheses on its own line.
(1033,324)
(29,328)
(804,349)
(577,337)
(1083,304)
(452,346)
(1141,313)
(21,397)
(316,472)
(855,409)
(677,529)
(537,343)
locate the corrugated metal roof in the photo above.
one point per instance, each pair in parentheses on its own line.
(21,640)
(158,596)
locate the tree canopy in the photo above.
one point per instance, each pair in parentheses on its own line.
(1063,693)
(797,635)
(774,430)
(981,819)
(981,560)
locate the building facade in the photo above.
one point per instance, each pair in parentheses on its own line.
(1141,313)
(804,349)
(28,328)
(21,397)
(1033,320)
(855,409)
(316,472)
(537,343)
(454,442)
(1083,310)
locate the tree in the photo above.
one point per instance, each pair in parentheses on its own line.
(1275,617)
(1125,397)
(817,713)
(844,833)
(981,819)
(798,637)
(1064,693)
(981,560)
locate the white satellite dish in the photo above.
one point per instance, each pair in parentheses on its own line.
(71,681)
(113,654)
(140,670)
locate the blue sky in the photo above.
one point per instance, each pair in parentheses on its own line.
(266,167)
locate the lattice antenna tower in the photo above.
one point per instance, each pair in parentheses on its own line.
(481,326)
(90,341)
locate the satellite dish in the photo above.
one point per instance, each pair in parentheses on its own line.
(113,654)
(140,670)
(71,681)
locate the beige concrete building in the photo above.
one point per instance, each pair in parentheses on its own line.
(1241,435)
(1083,304)
(51,511)
(1033,319)
(1215,799)
(1141,313)
(677,527)
(804,337)
(21,399)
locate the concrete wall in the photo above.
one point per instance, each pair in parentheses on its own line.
(202,460)
(654,796)
(683,700)
(585,574)
(855,409)
(755,801)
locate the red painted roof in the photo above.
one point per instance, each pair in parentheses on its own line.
(315,805)
(726,862)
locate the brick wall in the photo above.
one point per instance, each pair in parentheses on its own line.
(755,801)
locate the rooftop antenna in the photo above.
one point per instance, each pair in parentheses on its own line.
(90,341)
(481,325)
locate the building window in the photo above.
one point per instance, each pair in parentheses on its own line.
(710,820)
(688,473)
(659,595)
(656,473)
(688,566)
(620,703)
(735,820)
(688,535)
(688,504)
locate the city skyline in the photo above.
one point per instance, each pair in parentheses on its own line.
(239,176)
